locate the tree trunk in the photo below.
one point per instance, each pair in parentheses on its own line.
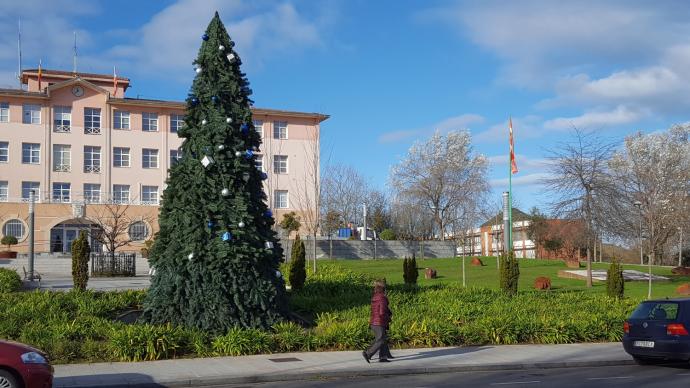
(589,267)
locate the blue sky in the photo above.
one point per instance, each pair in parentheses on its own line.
(391,72)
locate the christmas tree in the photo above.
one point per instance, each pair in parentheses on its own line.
(216,257)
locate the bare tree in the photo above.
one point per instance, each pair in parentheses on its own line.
(653,171)
(577,169)
(409,220)
(112,221)
(308,190)
(440,174)
(343,190)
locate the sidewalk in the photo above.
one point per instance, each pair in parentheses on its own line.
(304,366)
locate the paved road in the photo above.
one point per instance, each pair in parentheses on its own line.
(677,375)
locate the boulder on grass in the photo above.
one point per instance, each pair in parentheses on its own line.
(681,271)
(477,262)
(683,289)
(430,273)
(570,263)
(542,283)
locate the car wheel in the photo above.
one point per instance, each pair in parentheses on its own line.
(7,380)
(646,360)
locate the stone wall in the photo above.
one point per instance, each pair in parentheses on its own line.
(358,249)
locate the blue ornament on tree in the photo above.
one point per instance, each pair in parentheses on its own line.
(249,154)
(195,101)
(210,224)
(226,236)
(264,176)
(214,99)
(268,213)
(204,37)
(244,128)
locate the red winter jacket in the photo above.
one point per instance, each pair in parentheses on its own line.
(380,313)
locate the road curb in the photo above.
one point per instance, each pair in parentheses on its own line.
(373,371)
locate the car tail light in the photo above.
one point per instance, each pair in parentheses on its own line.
(676,329)
(626,327)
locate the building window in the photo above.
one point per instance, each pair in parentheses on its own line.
(4,191)
(280,130)
(149,122)
(92,159)
(4,152)
(280,164)
(14,228)
(31,153)
(121,193)
(259,162)
(61,192)
(149,195)
(121,119)
(27,187)
(31,114)
(4,112)
(61,158)
(138,231)
(176,122)
(92,192)
(259,127)
(175,156)
(121,157)
(62,119)
(281,199)
(92,121)
(149,158)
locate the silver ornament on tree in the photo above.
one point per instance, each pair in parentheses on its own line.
(228,120)
(207,161)
(230,57)
(221,48)
(220,147)
(190,256)
(241,224)
(198,70)
(238,153)
(268,245)
(204,122)
(279,274)
(225,192)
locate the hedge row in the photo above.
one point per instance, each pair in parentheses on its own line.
(75,327)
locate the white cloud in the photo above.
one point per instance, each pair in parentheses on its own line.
(170,40)
(523,127)
(450,124)
(596,119)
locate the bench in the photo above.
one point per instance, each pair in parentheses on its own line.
(37,276)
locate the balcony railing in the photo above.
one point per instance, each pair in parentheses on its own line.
(92,131)
(77,197)
(62,129)
(62,168)
(92,169)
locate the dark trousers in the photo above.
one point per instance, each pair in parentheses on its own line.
(380,344)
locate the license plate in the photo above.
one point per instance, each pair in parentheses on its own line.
(643,344)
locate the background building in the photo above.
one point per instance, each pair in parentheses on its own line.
(90,153)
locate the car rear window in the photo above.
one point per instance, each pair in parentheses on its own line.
(656,311)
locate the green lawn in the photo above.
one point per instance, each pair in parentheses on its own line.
(450,271)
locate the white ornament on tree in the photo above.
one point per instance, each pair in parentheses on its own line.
(225,192)
(190,256)
(269,245)
(279,274)
(207,160)
(238,153)
(231,56)
(241,224)
(198,70)
(204,122)
(221,47)
(221,147)
(228,120)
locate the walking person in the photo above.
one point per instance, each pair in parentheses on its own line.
(379,321)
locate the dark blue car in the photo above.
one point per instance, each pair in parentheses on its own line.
(658,330)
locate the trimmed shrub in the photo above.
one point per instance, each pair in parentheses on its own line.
(241,342)
(80,261)
(410,271)
(9,241)
(615,282)
(510,273)
(147,342)
(9,280)
(388,234)
(298,272)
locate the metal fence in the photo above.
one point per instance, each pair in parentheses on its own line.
(107,264)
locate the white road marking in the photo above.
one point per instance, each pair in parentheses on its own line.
(609,378)
(517,382)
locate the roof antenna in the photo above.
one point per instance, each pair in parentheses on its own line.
(19,51)
(74,64)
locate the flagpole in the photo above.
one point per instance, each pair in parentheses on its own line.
(510,187)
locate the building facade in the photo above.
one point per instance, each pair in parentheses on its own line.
(84,148)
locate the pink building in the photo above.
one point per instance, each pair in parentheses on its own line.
(80,144)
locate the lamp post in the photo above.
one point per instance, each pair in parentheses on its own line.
(638,205)
(32,199)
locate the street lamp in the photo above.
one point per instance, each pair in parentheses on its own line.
(638,205)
